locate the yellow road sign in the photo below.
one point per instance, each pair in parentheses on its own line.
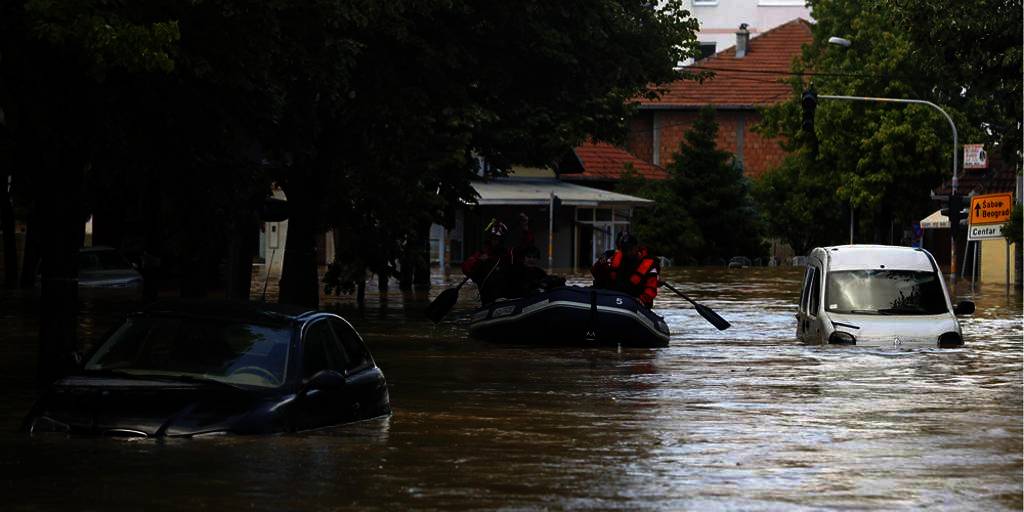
(991,208)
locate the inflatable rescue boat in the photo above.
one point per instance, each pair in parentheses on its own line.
(571,316)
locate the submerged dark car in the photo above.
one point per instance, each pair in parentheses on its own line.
(187,369)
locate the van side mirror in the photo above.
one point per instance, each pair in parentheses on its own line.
(964,307)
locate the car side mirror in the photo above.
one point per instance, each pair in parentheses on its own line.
(964,307)
(322,381)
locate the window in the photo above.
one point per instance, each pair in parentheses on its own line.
(237,353)
(707,49)
(885,292)
(805,290)
(357,356)
(705,2)
(815,298)
(314,350)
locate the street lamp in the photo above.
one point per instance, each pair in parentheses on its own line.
(845,43)
(952,229)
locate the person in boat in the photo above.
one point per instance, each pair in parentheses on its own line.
(509,273)
(483,266)
(630,269)
(530,277)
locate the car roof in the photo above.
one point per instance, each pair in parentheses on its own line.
(235,310)
(861,257)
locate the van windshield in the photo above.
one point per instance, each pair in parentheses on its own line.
(885,292)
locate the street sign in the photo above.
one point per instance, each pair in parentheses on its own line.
(975,156)
(985,232)
(988,214)
(991,208)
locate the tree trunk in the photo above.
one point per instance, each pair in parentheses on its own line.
(60,238)
(240,255)
(421,270)
(9,242)
(361,293)
(300,282)
(30,255)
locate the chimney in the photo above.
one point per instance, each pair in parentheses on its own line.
(742,39)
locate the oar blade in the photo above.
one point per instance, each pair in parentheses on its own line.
(720,323)
(441,305)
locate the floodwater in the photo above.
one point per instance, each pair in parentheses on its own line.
(745,419)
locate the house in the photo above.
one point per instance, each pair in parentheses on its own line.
(584,222)
(719,19)
(601,165)
(748,76)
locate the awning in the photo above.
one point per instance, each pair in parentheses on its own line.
(935,221)
(537,191)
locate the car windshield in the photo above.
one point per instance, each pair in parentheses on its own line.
(192,349)
(101,260)
(885,292)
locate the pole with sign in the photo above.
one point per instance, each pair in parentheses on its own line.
(986,217)
(975,156)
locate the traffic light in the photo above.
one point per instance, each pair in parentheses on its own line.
(809,102)
(956,211)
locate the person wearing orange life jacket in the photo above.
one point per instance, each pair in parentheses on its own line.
(628,269)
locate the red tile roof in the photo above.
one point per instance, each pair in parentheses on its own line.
(746,82)
(602,161)
(999,177)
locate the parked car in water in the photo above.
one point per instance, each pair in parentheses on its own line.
(739,262)
(187,369)
(877,296)
(104,267)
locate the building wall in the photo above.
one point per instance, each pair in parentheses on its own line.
(639,136)
(720,19)
(993,262)
(756,153)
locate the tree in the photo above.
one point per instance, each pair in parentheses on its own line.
(884,158)
(704,212)
(476,92)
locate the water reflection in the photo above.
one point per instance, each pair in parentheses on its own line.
(745,419)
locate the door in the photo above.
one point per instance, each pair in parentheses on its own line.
(330,403)
(807,312)
(364,381)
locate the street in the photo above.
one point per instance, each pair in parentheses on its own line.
(740,419)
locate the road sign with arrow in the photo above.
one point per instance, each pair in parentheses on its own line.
(988,213)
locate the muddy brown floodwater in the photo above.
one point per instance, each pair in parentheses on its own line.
(745,419)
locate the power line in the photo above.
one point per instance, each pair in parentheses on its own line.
(805,73)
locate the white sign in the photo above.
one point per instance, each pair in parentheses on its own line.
(975,156)
(985,232)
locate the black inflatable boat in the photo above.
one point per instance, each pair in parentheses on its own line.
(571,316)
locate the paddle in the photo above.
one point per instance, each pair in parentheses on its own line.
(704,311)
(444,302)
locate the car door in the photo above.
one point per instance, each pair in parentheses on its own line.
(813,330)
(802,319)
(324,401)
(362,377)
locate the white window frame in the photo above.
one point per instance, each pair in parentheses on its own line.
(705,3)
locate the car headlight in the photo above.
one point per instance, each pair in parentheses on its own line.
(841,338)
(950,339)
(46,424)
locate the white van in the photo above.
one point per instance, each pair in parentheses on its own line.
(877,296)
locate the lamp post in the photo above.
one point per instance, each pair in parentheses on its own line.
(953,188)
